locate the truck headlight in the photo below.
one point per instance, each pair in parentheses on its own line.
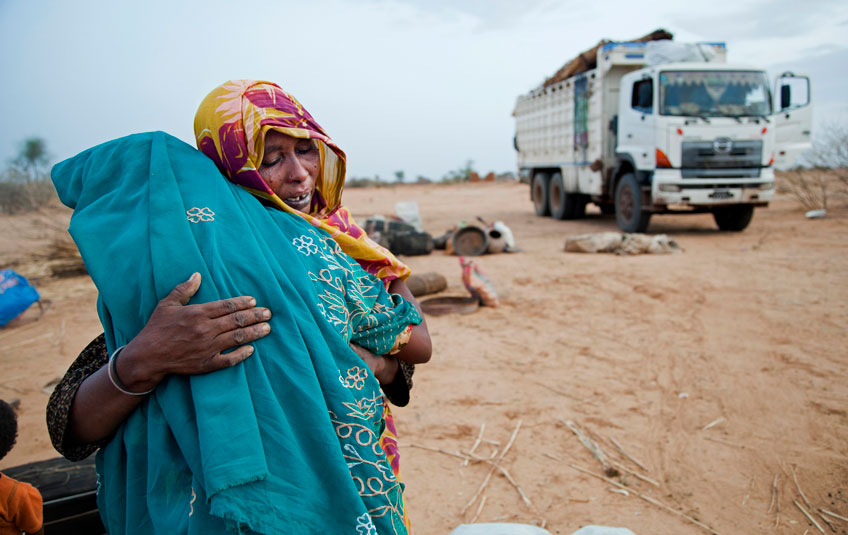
(669,188)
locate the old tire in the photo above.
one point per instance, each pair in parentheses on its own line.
(733,218)
(540,194)
(628,205)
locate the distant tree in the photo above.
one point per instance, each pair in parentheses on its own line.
(399,176)
(826,174)
(460,175)
(32,158)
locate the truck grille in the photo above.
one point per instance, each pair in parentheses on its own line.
(722,158)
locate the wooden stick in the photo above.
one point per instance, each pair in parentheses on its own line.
(725,442)
(810,518)
(828,522)
(635,474)
(773,493)
(591,445)
(494,466)
(801,492)
(713,423)
(834,515)
(439,450)
(508,477)
(479,509)
(647,499)
(621,450)
(476,442)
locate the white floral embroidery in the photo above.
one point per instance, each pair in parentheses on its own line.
(196,215)
(305,245)
(364,525)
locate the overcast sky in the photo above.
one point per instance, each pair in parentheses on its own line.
(415,85)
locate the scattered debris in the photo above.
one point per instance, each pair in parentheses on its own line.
(621,243)
(713,423)
(593,447)
(646,498)
(426,283)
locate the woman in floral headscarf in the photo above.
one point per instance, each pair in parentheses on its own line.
(234,126)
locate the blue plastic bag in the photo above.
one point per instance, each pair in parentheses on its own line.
(16,295)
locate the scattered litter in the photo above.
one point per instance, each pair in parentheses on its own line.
(16,295)
(472,239)
(398,236)
(816,214)
(619,491)
(407,212)
(477,283)
(426,283)
(683,395)
(622,244)
(602,530)
(499,528)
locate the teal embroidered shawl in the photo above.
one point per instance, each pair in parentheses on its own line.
(285,442)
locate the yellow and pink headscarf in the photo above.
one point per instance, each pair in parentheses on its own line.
(230,128)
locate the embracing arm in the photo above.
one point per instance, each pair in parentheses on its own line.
(86,408)
(419,348)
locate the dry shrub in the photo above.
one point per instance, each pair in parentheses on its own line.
(21,197)
(811,187)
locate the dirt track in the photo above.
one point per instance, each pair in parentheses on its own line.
(748,329)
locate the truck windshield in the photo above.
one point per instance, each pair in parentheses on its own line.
(714,93)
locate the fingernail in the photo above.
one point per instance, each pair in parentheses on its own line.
(194,276)
(250,350)
(265,328)
(266,314)
(252,302)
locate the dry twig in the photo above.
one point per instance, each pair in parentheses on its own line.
(834,515)
(476,442)
(647,499)
(713,423)
(773,494)
(626,455)
(810,518)
(592,446)
(801,492)
(494,466)
(479,509)
(634,474)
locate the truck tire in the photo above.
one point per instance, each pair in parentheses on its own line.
(540,194)
(733,218)
(628,205)
(564,205)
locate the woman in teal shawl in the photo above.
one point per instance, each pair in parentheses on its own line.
(287,440)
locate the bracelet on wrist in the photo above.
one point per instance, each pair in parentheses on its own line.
(112,370)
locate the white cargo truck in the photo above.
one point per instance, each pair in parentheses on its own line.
(660,127)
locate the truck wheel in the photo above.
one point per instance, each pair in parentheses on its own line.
(734,217)
(628,205)
(564,205)
(540,194)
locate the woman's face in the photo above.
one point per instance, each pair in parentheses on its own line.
(290,167)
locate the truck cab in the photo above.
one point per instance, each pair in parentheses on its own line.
(660,127)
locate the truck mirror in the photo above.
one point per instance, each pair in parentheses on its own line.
(785,96)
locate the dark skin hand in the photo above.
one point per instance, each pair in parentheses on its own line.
(178,339)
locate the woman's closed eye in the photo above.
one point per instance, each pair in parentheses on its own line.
(272,162)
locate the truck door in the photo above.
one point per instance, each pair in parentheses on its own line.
(636,120)
(793,119)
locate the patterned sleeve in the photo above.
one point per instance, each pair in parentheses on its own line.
(92,358)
